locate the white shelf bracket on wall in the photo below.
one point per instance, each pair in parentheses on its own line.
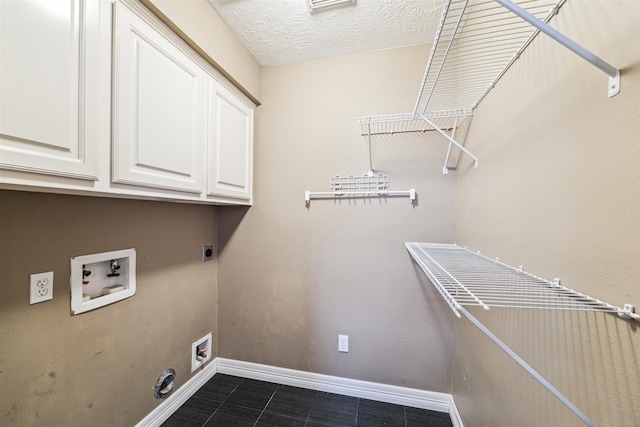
(612,72)
(451,141)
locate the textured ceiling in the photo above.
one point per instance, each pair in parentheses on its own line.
(278,32)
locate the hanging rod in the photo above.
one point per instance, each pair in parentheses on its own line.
(368,185)
(308,195)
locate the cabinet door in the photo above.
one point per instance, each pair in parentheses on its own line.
(230,162)
(48,87)
(159,109)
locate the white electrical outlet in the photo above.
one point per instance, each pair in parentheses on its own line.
(41,287)
(343,343)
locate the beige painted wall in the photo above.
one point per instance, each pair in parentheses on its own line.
(292,278)
(558,191)
(202,24)
(98,368)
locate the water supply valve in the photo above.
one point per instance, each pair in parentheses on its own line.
(201,354)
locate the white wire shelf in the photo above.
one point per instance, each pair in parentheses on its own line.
(465,278)
(476,42)
(390,124)
(443,122)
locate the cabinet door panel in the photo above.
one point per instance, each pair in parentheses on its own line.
(159,110)
(231,144)
(43,63)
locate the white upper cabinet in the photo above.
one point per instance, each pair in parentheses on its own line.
(230,159)
(159,127)
(50,87)
(100,97)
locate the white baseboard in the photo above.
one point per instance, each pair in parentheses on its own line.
(434,401)
(456,419)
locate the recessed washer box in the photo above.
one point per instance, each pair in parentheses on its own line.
(101,279)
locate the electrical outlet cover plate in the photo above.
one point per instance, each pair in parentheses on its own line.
(41,287)
(343,343)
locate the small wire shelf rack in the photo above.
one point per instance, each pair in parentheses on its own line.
(367,185)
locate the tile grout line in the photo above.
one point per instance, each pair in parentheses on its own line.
(267,404)
(222,403)
(307,420)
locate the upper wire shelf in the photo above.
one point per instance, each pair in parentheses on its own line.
(402,123)
(465,278)
(476,42)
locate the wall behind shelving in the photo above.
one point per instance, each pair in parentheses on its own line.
(98,368)
(558,191)
(292,278)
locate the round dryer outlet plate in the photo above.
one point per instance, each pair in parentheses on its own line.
(165,383)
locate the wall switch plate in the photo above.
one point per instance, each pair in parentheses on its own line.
(207,253)
(40,287)
(343,343)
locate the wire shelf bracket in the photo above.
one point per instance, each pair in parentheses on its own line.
(613,73)
(445,169)
(464,278)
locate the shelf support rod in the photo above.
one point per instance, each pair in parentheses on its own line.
(612,72)
(451,140)
(371,173)
(445,169)
(527,367)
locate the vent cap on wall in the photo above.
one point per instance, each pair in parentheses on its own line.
(316,5)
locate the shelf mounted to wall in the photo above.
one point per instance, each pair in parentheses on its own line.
(477,41)
(433,121)
(464,278)
(371,184)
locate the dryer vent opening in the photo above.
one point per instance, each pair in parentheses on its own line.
(165,383)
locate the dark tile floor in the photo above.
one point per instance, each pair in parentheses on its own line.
(231,401)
